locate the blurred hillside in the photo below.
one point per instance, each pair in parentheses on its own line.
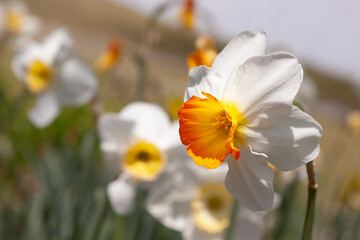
(93,22)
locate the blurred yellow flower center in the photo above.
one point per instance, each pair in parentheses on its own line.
(353,121)
(211,129)
(173,107)
(211,208)
(14,21)
(144,161)
(351,194)
(39,76)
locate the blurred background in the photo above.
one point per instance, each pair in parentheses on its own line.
(53,181)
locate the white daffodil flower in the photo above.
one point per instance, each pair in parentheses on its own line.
(141,144)
(241,109)
(195,202)
(57,78)
(15,19)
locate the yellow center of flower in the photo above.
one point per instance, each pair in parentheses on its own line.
(211,208)
(14,21)
(39,76)
(211,129)
(173,107)
(144,161)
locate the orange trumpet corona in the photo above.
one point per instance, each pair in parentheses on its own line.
(210,128)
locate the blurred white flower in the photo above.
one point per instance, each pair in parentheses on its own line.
(241,107)
(54,76)
(308,93)
(15,19)
(140,143)
(195,202)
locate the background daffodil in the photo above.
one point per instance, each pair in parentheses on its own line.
(15,19)
(195,202)
(54,76)
(140,143)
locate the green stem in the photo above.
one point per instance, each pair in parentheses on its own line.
(141,83)
(230,229)
(310,214)
(311,204)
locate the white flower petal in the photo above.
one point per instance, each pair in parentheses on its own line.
(243,46)
(76,83)
(115,136)
(170,137)
(150,120)
(250,180)
(207,175)
(262,81)
(249,225)
(46,109)
(169,201)
(121,193)
(195,233)
(292,141)
(26,52)
(203,79)
(56,46)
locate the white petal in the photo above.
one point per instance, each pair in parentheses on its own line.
(292,141)
(170,137)
(56,46)
(195,233)
(26,52)
(265,81)
(243,46)
(150,120)
(46,109)
(121,193)
(249,225)
(115,137)
(207,175)
(250,181)
(76,83)
(203,79)
(169,201)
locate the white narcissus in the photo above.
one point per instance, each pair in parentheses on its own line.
(15,19)
(241,110)
(139,144)
(54,76)
(194,201)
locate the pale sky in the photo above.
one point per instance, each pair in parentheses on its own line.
(324,33)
